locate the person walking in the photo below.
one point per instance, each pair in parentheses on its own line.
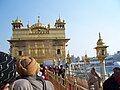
(93,79)
(113,82)
(27,69)
(62,71)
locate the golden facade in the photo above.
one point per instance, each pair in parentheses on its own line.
(39,41)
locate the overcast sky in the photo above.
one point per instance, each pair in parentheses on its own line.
(84,20)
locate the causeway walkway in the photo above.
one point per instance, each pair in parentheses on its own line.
(67,83)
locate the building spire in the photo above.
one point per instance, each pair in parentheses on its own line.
(28,25)
(68,54)
(59,17)
(38,19)
(99,36)
(17,18)
(85,52)
(100,40)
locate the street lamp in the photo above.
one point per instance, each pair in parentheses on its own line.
(69,61)
(53,62)
(58,62)
(79,65)
(86,62)
(101,53)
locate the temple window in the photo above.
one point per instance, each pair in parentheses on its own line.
(58,51)
(20,53)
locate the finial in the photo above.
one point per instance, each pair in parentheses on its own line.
(17,17)
(59,16)
(68,55)
(38,19)
(99,36)
(28,25)
(12,21)
(68,52)
(49,26)
(85,52)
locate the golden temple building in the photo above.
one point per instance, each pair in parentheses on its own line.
(38,40)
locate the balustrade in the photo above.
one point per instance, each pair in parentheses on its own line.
(67,83)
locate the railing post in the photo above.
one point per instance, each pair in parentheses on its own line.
(59,82)
(66,82)
(75,84)
(92,87)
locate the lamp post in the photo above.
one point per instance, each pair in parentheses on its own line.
(69,61)
(79,68)
(53,62)
(86,62)
(79,65)
(101,53)
(58,62)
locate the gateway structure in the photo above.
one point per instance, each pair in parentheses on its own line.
(38,40)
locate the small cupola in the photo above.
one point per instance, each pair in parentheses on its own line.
(60,23)
(17,24)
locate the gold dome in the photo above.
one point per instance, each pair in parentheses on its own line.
(16,21)
(38,25)
(59,20)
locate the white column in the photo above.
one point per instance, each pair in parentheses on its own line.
(103,70)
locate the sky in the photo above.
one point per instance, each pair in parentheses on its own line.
(84,20)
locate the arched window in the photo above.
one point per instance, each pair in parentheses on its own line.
(20,53)
(58,51)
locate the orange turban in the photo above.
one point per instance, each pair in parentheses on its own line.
(26,66)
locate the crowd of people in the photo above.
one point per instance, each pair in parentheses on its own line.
(21,74)
(25,73)
(58,70)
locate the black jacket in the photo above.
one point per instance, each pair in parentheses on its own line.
(111,84)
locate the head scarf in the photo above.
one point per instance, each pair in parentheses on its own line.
(7,69)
